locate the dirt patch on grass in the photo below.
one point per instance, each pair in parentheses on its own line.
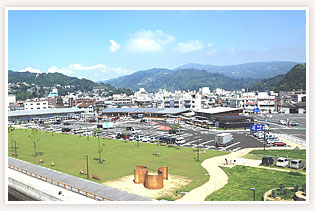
(173,183)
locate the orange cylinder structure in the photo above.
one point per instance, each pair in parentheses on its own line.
(164,171)
(139,174)
(153,181)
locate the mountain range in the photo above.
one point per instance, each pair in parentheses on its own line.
(194,76)
(256,70)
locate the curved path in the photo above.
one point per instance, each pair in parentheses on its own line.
(218,177)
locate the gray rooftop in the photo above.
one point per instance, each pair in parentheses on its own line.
(146,110)
(44,111)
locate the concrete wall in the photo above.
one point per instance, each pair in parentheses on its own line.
(41,190)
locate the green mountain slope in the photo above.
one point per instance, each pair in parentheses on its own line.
(294,79)
(183,79)
(257,70)
(39,85)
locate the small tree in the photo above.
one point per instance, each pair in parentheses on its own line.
(10,130)
(100,146)
(296,188)
(273,193)
(34,138)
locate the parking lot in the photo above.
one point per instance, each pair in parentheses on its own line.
(298,131)
(191,136)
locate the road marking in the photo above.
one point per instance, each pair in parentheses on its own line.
(236,149)
(232,145)
(207,142)
(190,142)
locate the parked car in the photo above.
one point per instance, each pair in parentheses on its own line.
(267,161)
(143,120)
(293,124)
(180,140)
(296,164)
(132,137)
(66,130)
(129,128)
(92,120)
(136,131)
(279,143)
(145,139)
(282,122)
(174,131)
(282,162)
(125,136)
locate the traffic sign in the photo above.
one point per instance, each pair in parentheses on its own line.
(259,127)
(256,110)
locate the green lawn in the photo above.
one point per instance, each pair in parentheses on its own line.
(258,154)
(120,157)
(242,178)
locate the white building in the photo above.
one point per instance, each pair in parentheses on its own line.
(36,105)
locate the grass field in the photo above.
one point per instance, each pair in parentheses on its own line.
(258,154)
(242,178)
(121,157)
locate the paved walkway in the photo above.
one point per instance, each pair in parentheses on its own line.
(218,177)
(100,189)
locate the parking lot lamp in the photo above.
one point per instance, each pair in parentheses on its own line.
(87,165)
(14,148)
(253,189)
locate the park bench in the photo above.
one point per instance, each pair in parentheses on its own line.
(96,177)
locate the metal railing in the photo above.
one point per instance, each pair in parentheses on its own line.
(61,184)
(292,138)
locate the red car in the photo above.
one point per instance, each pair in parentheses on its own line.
(279,143)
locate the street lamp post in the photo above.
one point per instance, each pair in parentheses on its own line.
(87,165)
(14,148)
(253,189)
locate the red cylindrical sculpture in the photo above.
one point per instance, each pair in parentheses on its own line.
(139,174)
(164,171)
(153,181)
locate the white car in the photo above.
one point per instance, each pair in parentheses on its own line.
(145,139)
(282,162)
(282,122)
(180,140)
(136,131)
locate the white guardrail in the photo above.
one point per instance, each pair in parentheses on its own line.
(292,138)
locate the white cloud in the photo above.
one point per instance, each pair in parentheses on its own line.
(94,72)
(64,71)
(211,52)
(31,70)
(231,51)
(210,44)
(114,46)
(149,41)
(192,45)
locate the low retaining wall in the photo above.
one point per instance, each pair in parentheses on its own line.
(30,191)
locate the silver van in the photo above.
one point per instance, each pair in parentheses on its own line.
(296,164)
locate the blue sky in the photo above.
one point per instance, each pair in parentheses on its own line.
(100,45)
